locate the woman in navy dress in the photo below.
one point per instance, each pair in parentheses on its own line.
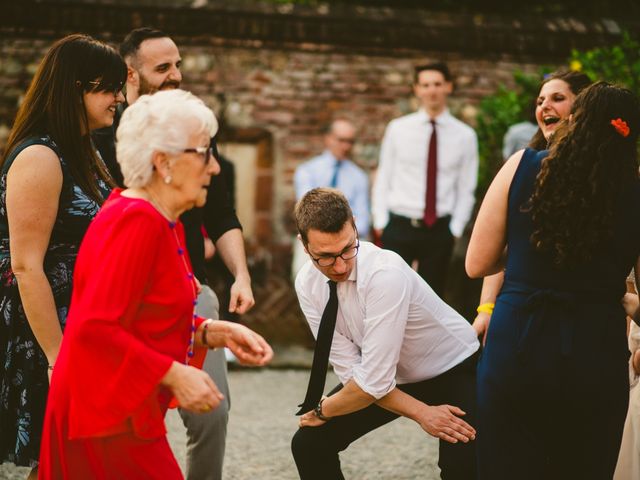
(552,380)
(52,184)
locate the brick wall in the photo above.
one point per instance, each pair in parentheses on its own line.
(286,72)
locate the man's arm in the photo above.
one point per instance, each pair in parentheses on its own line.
(223,227)
(380,189)
(230,246)
(466,187)
(441,421)
(361,205)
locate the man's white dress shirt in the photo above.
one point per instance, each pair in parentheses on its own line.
(352,181)
(401,179)
(391,327)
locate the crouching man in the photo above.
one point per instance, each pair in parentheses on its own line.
(396,347)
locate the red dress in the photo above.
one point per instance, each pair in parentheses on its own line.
(130,318)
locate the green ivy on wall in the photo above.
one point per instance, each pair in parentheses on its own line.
(496,114)
(618,64)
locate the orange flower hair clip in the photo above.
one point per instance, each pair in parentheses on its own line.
(621,127)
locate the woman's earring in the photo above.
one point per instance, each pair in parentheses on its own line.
(167,179)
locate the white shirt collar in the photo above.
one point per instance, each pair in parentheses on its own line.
(441,119)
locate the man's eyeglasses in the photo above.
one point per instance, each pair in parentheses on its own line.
(328,260)
(206,152)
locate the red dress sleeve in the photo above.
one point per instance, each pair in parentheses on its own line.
(129,319)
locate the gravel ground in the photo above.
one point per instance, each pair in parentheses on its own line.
(262,422)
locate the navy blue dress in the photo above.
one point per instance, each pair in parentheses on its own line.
(553,383)
(23,366)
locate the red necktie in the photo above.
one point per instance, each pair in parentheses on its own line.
(432,171)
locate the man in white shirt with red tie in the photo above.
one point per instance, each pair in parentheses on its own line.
(424,191)
(396,347)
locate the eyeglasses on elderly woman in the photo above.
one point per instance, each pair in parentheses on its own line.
(205,152)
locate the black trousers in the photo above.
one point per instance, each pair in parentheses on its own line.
(430,246)
(316,449)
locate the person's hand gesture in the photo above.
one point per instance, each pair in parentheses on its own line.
(241,300)
(194,390)
(249,347)
(443,422)
(310,419)
(481,325)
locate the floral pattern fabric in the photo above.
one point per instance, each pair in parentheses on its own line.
(24,382)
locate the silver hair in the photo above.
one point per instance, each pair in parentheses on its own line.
(162,122)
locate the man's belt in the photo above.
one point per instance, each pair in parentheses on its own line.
(419,222)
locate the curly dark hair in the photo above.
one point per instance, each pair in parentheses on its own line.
(588,166)
(577,82)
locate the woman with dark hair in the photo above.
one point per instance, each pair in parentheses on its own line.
(552,380)
(52,183)
(557,92)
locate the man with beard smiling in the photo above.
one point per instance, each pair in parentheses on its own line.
(153,63)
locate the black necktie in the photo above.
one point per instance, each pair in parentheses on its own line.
(321,353)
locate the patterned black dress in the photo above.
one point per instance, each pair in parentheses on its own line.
(23,365)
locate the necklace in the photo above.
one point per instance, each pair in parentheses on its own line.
(194,291)
(157,204)
(190,276)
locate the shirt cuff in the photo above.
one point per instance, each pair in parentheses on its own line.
(376,391)
(456,229)
(380,221)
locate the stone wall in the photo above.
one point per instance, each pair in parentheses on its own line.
(285,72)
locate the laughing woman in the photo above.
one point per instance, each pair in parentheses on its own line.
(553,105)
(51,185)
(553,383)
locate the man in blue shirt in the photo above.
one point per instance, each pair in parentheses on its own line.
(333,168)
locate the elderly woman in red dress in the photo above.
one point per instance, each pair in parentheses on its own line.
(132,330)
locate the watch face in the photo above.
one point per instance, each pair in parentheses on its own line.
(318,411)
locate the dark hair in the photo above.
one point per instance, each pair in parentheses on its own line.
(54,104)
(577,81)
(589,165)
(131,43)
(323,209)
(437,66)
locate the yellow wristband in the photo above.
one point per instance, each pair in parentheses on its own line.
(486,308)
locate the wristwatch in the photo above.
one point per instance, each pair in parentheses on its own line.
(318,411)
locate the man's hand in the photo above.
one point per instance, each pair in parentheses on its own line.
(481,325)
(310,419)
(241,296)
(443,422)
